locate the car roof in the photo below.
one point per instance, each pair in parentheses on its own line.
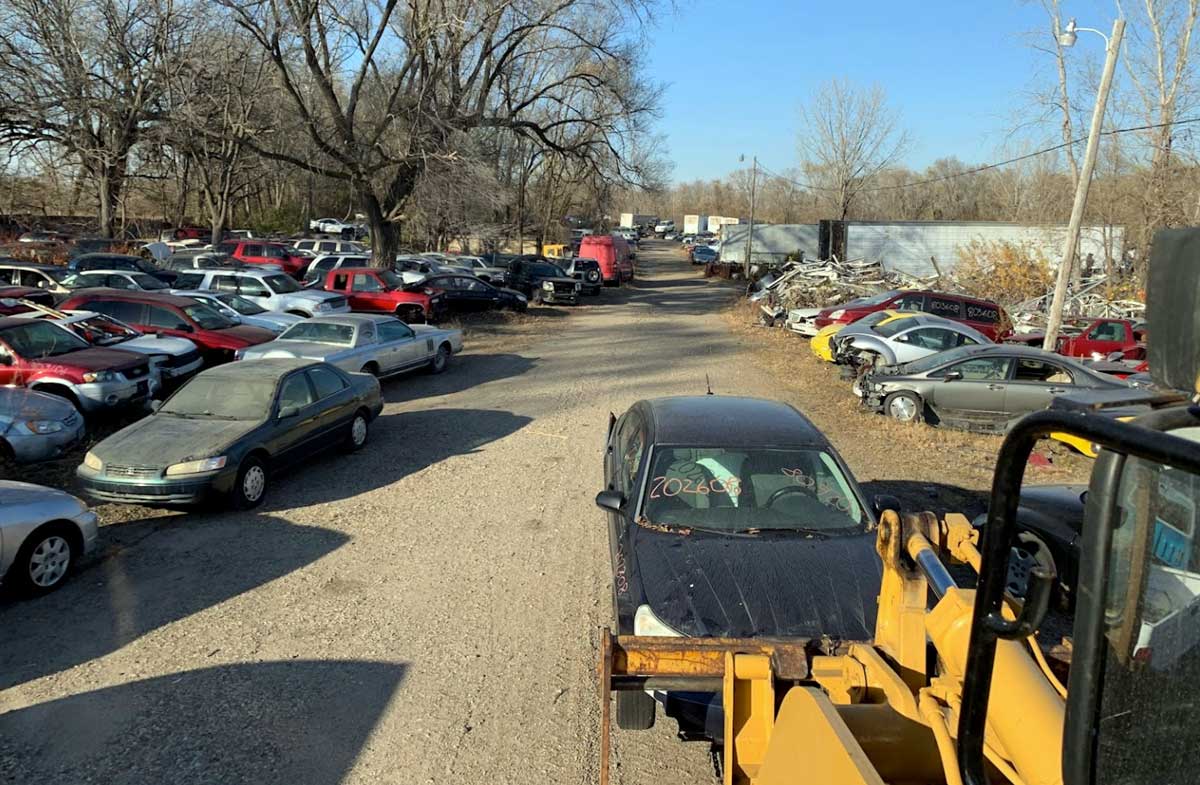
(732,421)
(102,271)
(15,321)
(106,255)
(272,366)
(134,294)
(23,265)
(351,319)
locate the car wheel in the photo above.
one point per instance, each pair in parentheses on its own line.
(635,710)
(535,296)
(251,485)
(371,368)
(45,559)
(356,436)
(441,360)
(904,407)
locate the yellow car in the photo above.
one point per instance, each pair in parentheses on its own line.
(822,346)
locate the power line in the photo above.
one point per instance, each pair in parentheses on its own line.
(985,167)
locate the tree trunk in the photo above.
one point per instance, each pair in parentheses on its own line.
(107,194)
(385,239)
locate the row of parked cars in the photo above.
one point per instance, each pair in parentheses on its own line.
(948,359)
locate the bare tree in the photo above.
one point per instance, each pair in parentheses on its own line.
(85,76)
(383,88)
(848,136)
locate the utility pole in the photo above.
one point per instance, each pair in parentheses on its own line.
(750,237)
(1113,48)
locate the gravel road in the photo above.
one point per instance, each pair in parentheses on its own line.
(423,611)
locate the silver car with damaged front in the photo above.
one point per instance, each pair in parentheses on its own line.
(43,535)
(900,339)
(368,343)
(36,426)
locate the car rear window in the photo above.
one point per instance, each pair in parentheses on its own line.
(982,312)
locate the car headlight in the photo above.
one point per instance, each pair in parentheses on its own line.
(92,462)
(837,314)
(43,426)
(646,623)
(160,359)
(100,376)
(196,467)
(548,285)
(323,305)
(578,286)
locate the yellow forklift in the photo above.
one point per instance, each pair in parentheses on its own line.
(954,687)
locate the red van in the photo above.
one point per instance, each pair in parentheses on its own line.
(986,317)
(616,261)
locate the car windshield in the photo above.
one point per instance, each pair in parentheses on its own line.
(281,284)
(889,328)
(149,282)
(320,332)
(941,358)
(215,396)
(102,330)
(751,490)
(206,317)
(391,280)
(241,304)
(41,339)
(144,266)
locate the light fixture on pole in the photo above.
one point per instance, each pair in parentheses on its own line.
(1112,46)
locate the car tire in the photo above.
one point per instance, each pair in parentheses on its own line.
(250,488)
(357,433)
(441,359)
(535,297)
(904,407)
(635,710)
(45,559)
(371,368)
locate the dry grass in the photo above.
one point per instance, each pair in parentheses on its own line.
(942,466)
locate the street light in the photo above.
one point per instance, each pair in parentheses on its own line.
(1112,47)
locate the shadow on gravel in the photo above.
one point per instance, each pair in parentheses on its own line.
(465,371)
(134,588)
(254,723)
(935,497)
(400,444)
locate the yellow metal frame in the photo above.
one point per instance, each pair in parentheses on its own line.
(869,712)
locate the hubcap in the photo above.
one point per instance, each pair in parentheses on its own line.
(1020,562)
(358,430)
(903,409)
(254,483)
(49,561)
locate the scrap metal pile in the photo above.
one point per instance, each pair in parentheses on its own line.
(1089,300)
(814,284)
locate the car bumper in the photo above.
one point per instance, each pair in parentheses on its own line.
(46,447)
(101,396)
(802,325)
(560,298)
(182,371)
(328,311)
(152,492)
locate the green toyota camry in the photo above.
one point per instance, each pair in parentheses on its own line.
(230,429)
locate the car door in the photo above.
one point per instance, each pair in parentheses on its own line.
(629,449)
(1035,384)
(975,388)
(296,418)
(164,320)
(255,291)
(335,403)
(477,296)
(369,292)
(922,342)
(399,346)
(1103,339)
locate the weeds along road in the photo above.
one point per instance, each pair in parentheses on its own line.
(423,611)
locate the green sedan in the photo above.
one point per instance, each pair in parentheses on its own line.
(226,432)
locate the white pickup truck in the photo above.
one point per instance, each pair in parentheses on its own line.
(274,291)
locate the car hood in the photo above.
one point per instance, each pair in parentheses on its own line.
(24,503)
(313,295)
(27,404)
(149,344)
(161,440)
(97,359)
(707,585)
(307,349)
(247,334)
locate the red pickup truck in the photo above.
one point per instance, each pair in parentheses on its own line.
(372,290)
(1098,339)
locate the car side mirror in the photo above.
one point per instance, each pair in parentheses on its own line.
(613,501)
(884,501)
(953,376)
(288,411)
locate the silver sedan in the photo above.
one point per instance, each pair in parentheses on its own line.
(36,426)
(900,339)
(43,535)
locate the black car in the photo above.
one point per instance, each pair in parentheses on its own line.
(226,432)
(702,254)
(587,272)
(542,281)
(117,261)
(468,294)
(732,517)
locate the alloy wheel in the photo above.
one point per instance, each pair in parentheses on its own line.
(49,561)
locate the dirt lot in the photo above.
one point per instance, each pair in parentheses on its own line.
(425,610)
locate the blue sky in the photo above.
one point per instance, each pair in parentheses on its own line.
(737,73)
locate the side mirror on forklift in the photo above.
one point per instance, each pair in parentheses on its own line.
(884,501)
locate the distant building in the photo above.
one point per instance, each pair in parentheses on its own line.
(909,246)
